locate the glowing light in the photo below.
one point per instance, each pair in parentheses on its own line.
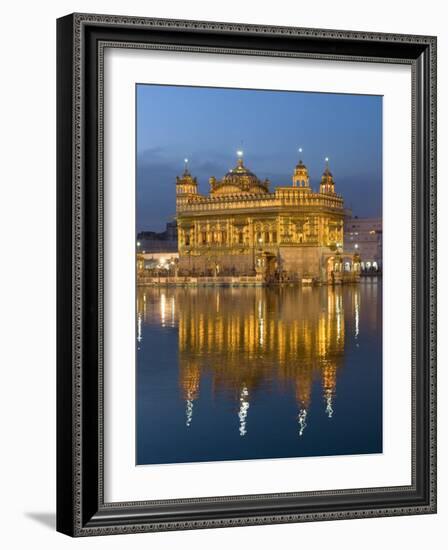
(260,323)
(163,309)
(239,153)
(242,413)
(329,400)
(163,264)
(356,315)
(339,311)
(326,159)
(139,327)
(189,413)
(138,243)
(300,149)
(302,421)
(185,160)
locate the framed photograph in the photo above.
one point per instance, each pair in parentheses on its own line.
(246,274)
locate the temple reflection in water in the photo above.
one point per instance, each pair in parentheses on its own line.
(245,347)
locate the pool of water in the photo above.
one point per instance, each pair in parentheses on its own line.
(247,373)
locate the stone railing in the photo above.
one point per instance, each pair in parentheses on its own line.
(200,281)
(272,200)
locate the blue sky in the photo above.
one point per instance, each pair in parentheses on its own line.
(208,125)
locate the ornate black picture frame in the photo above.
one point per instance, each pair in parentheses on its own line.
(81,509)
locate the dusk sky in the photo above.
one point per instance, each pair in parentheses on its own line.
(208,125)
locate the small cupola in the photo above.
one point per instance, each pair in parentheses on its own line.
(327,181)
(300,177)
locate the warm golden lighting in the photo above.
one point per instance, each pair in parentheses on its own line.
(254,335)
(244,229)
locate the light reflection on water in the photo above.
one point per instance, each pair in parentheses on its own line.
(239,373)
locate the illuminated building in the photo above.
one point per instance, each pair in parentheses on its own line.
(365,237)
(241,228)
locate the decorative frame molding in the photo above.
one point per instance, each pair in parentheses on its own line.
(81,510)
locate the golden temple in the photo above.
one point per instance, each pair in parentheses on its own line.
(241,229)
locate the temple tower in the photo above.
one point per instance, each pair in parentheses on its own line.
(186,185)
(327,181)
(300,177)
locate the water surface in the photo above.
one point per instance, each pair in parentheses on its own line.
(247,373)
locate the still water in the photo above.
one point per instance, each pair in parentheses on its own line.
(245,373)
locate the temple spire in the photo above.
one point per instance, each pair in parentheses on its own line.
(300,177)
(186,171)
(186,185)
(327,181)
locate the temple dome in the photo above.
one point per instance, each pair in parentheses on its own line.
(301,177)
(327,177)
(186,178)
(301,166)
(327,181)
(186,184)
(239,180)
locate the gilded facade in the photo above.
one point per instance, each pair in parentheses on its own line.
(242,228)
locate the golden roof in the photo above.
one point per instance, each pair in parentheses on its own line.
(301,167)
(186,178)
(301,171)
(327,177)
(239,180)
